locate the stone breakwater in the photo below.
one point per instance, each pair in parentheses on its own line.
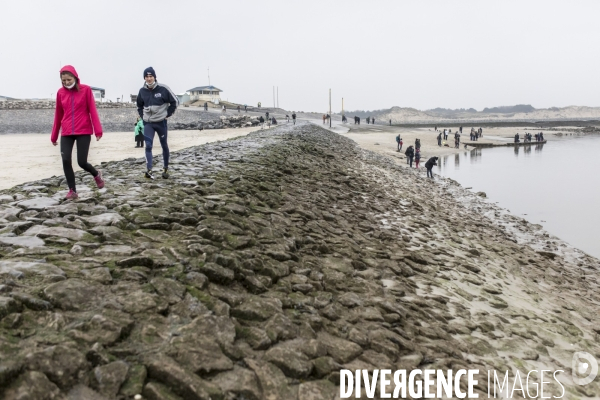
(50,104)
(268,263)
(118,120)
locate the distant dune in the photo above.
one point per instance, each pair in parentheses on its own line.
(522,112)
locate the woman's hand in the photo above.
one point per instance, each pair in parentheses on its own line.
(54,143)
(98,138)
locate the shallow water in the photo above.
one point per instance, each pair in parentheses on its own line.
(556,185)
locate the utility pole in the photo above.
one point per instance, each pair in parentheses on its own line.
(273,96)
(208,76)
(277,96)
(330,118)
(342,107)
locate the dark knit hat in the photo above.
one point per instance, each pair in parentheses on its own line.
(149,71)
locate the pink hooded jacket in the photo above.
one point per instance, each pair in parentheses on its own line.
(76,112)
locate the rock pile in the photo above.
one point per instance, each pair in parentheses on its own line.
(221,123)
(112,119)
(264,266)
(50,104)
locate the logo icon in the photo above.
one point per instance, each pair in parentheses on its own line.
(584,368)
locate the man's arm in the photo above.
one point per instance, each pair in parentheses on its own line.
(140,104)
(172,99)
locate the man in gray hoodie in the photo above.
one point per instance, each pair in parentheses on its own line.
(156,102)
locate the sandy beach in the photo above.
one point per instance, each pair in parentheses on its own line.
(29,157)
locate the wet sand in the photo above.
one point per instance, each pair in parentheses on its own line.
(30,157)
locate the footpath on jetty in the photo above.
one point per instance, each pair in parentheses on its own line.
(267,264)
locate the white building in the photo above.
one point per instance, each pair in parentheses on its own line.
(98,93)
(205,93)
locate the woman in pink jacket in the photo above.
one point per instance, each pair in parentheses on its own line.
(76,119)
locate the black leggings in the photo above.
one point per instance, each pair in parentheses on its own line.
(66,150)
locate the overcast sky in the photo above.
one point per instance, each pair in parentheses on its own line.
(375,54)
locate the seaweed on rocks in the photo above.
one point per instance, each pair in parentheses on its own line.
(263,266)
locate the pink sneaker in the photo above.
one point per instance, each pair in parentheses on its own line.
(72,195)
(99,180)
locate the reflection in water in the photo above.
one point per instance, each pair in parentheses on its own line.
(475,155)
(496,174)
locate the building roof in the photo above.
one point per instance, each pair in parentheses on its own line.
(205,88)
(96,88)
(7,98)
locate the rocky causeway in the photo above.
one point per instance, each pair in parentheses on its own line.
(116,119)
(268,263)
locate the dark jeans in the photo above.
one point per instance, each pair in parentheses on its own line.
(410,160)
(429,172)
(66,151)
(139,140)
(161,129)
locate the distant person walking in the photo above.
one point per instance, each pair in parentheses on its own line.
(398,140)
(76,118)
(224,109)
(368,120)
(239,110)
(267,115)
(429,166)
(439,138)
(156,102)
(373,121)
(294,117)
(262,122)
(456,140)
(205,106)
(390,122)
(324,118)
(287,118)
(139,133)
(417,143)
(460,129)
(245,108)
(409,153)
(417,158)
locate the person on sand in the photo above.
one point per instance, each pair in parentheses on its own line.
(273,121)
(456,140)
(390,122)
(373,121)
(261,120)
(417,143)
(267,115)
(156,102)
(76,118)
(205,106)
(417,158)
(239,110)
(439,139)
(398,142)
(409,153)
(294,117)
(139,133)
(429,166)
(517,138)
(401,143)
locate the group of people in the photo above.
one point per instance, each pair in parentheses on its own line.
(539,137)
(414,153)
(476,134)
(76,120)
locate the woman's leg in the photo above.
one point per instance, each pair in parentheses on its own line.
(66,150)
(83,148)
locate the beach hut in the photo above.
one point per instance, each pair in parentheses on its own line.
(98,93)
(205,93)
(183,97)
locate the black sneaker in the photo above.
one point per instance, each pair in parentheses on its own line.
(149,174)
(165,173)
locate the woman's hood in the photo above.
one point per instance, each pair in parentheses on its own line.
(71,69)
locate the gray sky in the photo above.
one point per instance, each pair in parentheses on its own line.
(375,54)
